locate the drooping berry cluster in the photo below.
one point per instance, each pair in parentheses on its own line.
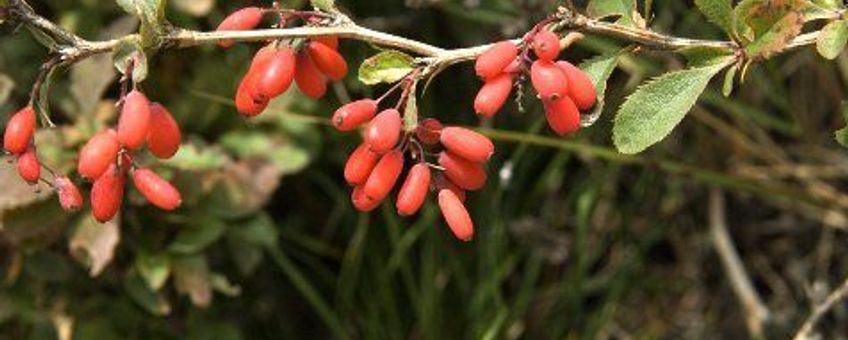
(564,89)
(309,63)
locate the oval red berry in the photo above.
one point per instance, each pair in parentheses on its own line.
(563,116)
(413,192)
(28,167)
(455,214)
(96,156)
(164,137)
(19,131)
(384,176)
(134,123)
(69,194)
(493,95)
(328,60)
(548,80)
(244,19)
(491,63)
(107,193)
(330,41)
(466,174)
(467,144)
(277,74)
(359,164)
(350,116)
(546,45)
(361,201)
(581,89)
(384,131)
(308,77)
(440,182)
(157,190)
(246,103)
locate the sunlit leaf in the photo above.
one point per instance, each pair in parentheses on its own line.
(386,67)
(832,39)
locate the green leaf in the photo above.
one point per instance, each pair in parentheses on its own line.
(650,113)
(197,236)
(814,11)
(410,110)
(842,134)
(704,56)
(288,157)
(829,4)
(94,243)
(324,5)
(623,9)
(150,300)
(832,39)
(767,26)
(154,268)
(152,15)
(192,277)
(729,78)
(129,51)
(386,67)
(718,12)
(599,69)
(193,157)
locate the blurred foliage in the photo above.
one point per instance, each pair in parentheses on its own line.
(574,239)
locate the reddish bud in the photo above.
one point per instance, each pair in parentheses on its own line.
(493,95)
(134,122)
(464,173)
(69,195)
(384,131)
(456,215)
(413,192)
(361,201)
(19,131)
(563,116)
(107,193)
(28,167)
(492,62)
(308,77)
(581,89)
(96,156)
(548,80)
(157,190)
(546,45)
(384,176)
(328,60)
(353,114)
(242,20)
(467,144)
(277,74)
(428,131)
(164,137)
(359,164)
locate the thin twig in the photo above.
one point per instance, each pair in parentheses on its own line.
(756,312)
(837,295)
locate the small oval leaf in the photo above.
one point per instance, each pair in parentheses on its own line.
(832,39)
(386,67)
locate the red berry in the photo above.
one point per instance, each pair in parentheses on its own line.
(19,131)
(492,62)
(277,74)
(308,77)
(546,45)
(441,182)
(69,195)
(331,41)
(157,190)
(242,20)
(464,173)
(413,192)
(164,137)
(428,131)
(246,103)
(384,131)
(467,144)
(548,80)
(353,114)
(384,176)
(581,89)
(135,120)
(107,193)
(456,215)
(328,60)
(360,164)
(28,167)
(493,95)
(361,202)
(96,156)
(563,116)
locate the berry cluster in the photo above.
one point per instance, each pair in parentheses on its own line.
(309,63)
(106,158)
(375,166)
(564,89)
